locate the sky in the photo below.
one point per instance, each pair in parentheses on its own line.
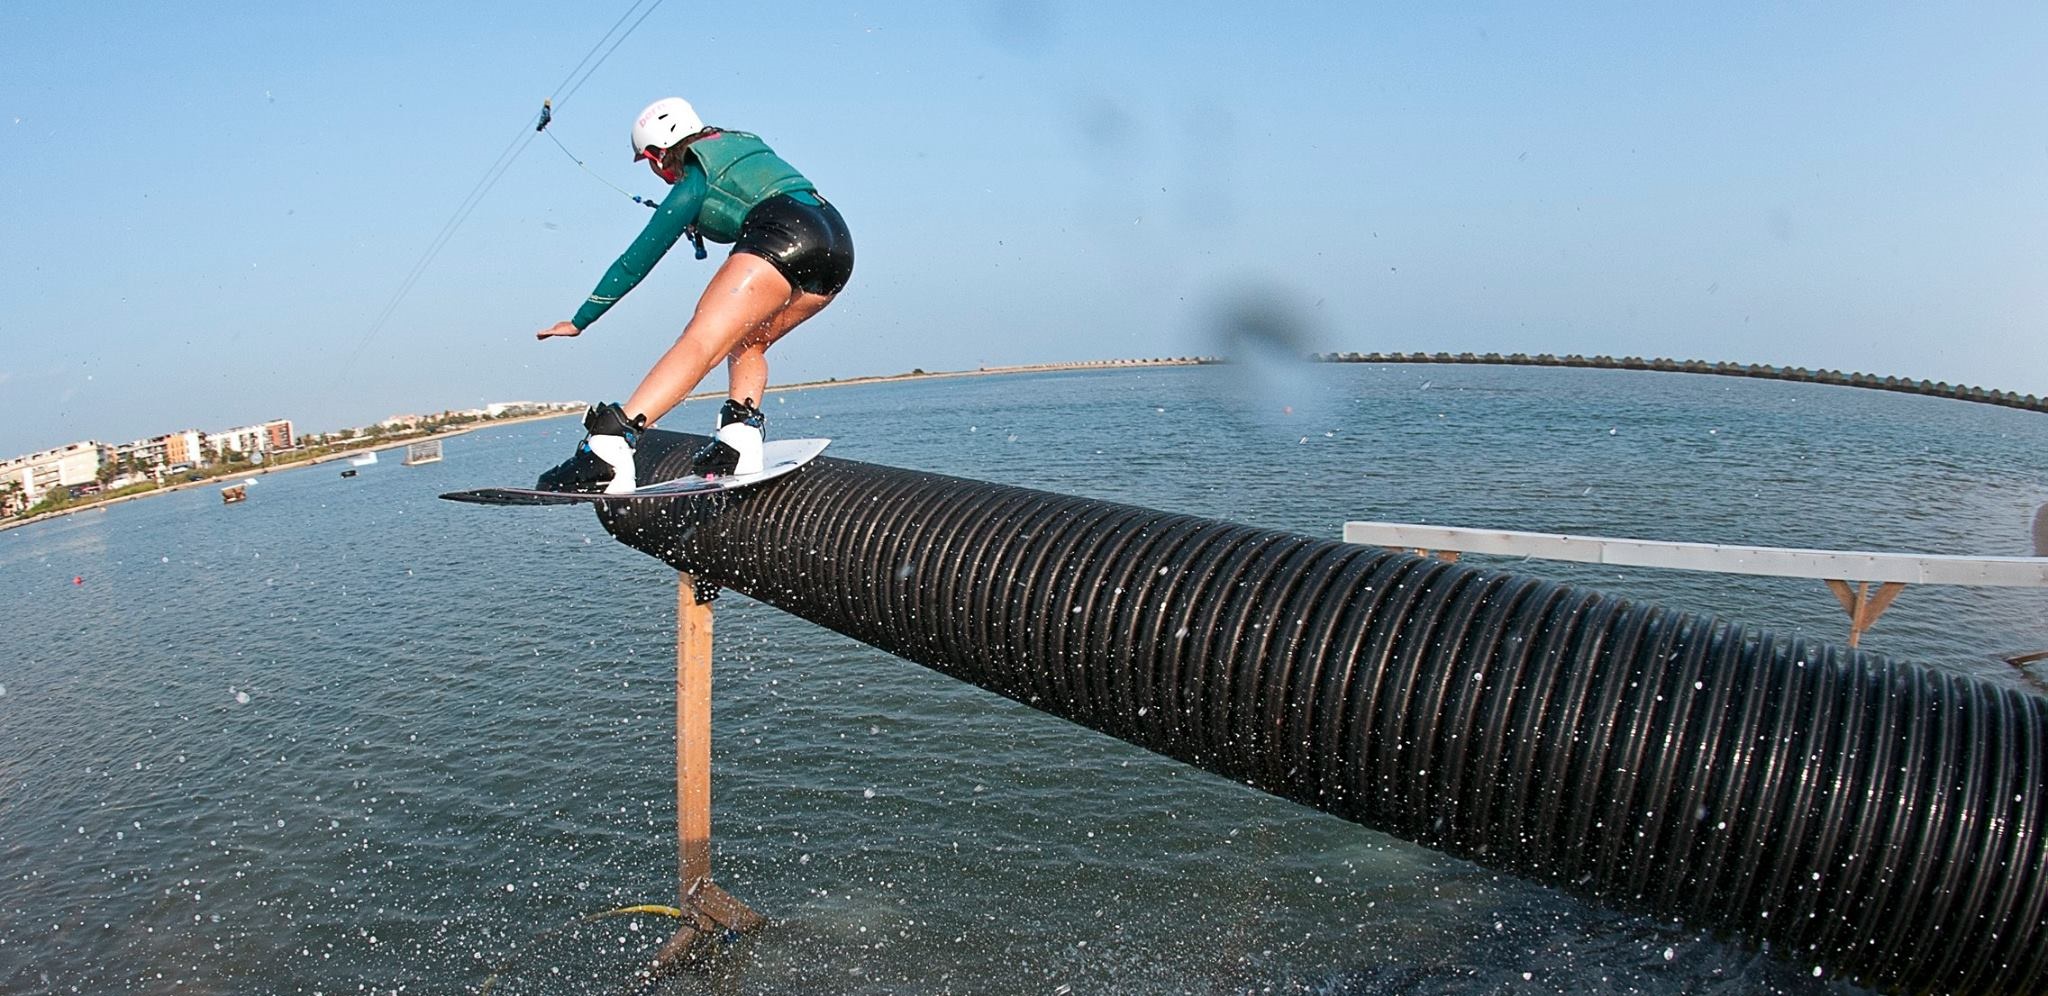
(205,208)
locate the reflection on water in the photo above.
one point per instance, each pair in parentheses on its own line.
(344,737)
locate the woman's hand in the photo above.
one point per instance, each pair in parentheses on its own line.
(559,328)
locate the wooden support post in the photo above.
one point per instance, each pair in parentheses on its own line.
(1447,556)
(1863,606)
(693,732)
(708,910)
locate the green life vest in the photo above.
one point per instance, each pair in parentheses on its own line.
(743,171)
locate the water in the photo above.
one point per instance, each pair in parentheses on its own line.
(346,738)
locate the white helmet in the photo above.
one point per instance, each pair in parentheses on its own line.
(664,123)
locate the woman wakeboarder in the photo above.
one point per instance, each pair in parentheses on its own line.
(791,255)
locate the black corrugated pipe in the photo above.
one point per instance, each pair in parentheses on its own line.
(1874,816)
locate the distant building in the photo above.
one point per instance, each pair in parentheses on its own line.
(81,466)
(63,467)
(500,409)
(253,441)
(172,449)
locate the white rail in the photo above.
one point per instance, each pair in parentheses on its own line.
(1773,561)
(1839,568)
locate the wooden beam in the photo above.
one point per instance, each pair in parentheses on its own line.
(1863,606)
(1845,595)
(1875,605)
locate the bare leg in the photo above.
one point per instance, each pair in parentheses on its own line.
(743,297)
(747,366)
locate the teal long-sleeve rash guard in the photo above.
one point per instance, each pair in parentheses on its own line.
(677,212)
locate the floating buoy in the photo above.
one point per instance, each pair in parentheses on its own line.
(76,579)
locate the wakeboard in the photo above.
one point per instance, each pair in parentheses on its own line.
(778,457)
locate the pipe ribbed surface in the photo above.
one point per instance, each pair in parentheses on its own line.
(1877,817)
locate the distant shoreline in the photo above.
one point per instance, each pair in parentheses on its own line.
(225,480)
(1177,361)
(259,470)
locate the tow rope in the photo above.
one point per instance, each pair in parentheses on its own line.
(496,171)
(547,117)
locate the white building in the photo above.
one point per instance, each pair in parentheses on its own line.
(253,441)
(63,467)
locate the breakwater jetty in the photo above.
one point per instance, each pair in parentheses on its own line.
(1903,385)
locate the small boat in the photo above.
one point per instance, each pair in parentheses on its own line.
(362,461)
(351,472)
(234,493)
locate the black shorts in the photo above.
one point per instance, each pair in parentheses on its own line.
(809,244)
